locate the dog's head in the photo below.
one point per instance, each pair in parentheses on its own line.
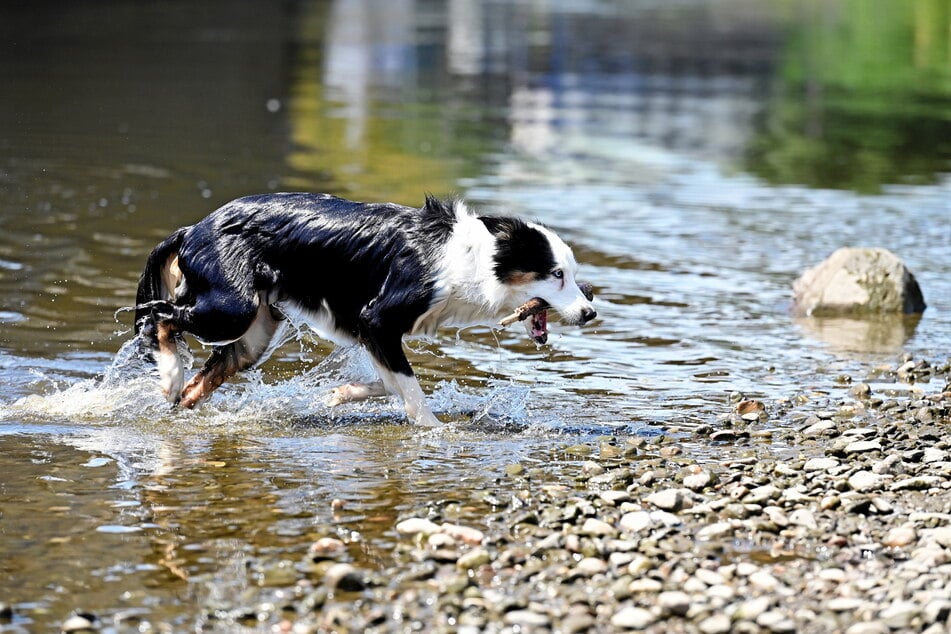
(531,261)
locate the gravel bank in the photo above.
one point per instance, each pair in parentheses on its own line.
(810,514)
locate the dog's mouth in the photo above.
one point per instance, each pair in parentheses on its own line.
(538,327)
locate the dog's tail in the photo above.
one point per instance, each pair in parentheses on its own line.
(159,278)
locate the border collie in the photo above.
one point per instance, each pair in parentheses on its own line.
(357,272)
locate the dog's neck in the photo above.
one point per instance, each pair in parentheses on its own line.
(467,290)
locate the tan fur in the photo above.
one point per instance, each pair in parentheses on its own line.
(521,277)
(171,276)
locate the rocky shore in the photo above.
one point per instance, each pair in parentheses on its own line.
(817,513)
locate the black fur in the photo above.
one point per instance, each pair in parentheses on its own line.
(368,262)
(521,248)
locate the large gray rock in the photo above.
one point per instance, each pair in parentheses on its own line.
(858,281)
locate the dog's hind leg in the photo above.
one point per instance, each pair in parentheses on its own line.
(170,367)
(227,360)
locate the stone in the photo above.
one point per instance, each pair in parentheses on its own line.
(861,446)
(698,481)
(526,618)
(716,624)
(473,559)
(858,281)
(865,481)
(79,623)
(595,527)
(668,499)
(804,518)
(343,577)
(635,521)
(471,536)
(899,615)
(820,464)
(633,618)
(900,536)
(674,602)
(415,525)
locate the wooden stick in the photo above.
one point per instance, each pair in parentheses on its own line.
(536,305)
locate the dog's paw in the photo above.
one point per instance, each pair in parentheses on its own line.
(354,392)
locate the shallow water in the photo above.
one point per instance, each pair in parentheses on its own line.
(698,156)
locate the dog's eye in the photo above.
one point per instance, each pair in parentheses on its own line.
(558,274)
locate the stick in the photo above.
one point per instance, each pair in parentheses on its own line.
(536,305)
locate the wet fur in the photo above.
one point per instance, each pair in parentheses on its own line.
(359,272)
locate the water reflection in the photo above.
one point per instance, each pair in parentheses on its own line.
(883,334)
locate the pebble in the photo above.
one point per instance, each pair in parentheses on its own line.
(79,623)
(526,618)
(674,602)
(594,526)
(862,446)
(900,536)
(698,481)
(343,576)
(668,499)
(635,521)
(716,624)
(633,618)
(473,559)
(820,464)
(471,536)
(415,525)
(865,481)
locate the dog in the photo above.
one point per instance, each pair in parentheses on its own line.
(367,273)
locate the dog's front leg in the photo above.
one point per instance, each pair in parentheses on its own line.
(414,400)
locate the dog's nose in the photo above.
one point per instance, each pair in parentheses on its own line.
(587,314)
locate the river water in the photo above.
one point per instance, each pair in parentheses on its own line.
(697,155)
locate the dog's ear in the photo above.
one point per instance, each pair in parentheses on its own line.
(522,252)
(438,217)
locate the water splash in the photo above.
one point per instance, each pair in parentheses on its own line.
(127,393)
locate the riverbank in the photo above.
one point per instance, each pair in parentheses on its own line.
(811,515)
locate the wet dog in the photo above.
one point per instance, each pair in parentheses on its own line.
(357,272)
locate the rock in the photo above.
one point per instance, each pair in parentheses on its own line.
(635,521)
(595,527)
(900,536)
(668,499)
(716,624)
(79,623)
(715,531)
(865,481)
(698,481)
(473,559)
(820,464)
(862,446)
(868,627)
(633,618)
(327,546)
(776,621)
(590,566)
(858,281)
(471,536)
(344,577)
(526,618)
(804,518)
(751,609)
(415,525)
(899,615)
(674,602)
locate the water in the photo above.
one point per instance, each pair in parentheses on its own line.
(698,156)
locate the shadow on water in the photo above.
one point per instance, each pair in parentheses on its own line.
(698,155)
